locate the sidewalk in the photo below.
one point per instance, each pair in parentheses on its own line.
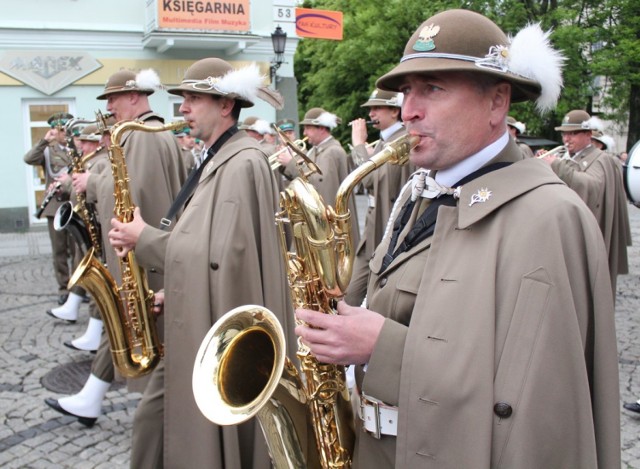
(34,436)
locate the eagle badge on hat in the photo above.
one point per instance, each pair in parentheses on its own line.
(425,38)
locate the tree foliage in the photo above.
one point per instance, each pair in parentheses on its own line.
(600,39)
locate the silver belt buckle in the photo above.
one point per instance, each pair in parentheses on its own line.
(364,401)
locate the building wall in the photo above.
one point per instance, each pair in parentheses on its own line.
(114,34)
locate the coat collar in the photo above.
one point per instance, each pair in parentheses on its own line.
(587,157)
(238,142)
(504,185)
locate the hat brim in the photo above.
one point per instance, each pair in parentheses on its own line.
(179,90)
(106,94)
(378,102)
(571,128)
(523,89)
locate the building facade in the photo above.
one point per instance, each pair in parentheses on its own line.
(58,58)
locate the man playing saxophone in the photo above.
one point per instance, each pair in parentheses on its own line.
(156,172)
(488,335)
(223,252)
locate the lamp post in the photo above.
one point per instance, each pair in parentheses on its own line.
(279,40)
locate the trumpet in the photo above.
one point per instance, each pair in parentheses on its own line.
(560,151)
(273,159)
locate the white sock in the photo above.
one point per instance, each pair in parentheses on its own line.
(88,402)
(69,310)
(90,340)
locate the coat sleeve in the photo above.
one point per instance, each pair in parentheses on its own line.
(152,247)
(35,156)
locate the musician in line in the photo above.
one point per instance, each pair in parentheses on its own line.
(222,253)
(382,185)
(327,153)
(50,153)
(488,336)
(156,171)
(259,129)
(597,179)
(91,142)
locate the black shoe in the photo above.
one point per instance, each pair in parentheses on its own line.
(70,321)
(86,421)
(62,299)
(632,406)
(69,344)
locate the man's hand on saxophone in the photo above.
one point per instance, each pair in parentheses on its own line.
(79,181)
(124,236)
(343,339)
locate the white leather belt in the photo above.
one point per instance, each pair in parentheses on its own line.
(377,417)
(372,201)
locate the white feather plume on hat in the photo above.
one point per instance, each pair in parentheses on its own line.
(243,82)
(246,82)
(326,119)
(148,79)
(261,126)
(595,123)
(531,55)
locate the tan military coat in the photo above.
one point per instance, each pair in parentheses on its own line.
(222,253)
(383,188)
(509,302)
(597,178)
(333,161)
(54,160)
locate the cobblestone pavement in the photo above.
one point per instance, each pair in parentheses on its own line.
(34,436)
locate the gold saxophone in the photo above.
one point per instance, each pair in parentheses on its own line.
(241,369)
(125,309)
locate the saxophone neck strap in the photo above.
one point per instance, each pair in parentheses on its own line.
(192,180)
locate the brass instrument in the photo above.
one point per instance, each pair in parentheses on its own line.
(80,220)
(355,158)
(241,370)
(560,151)
(273,159)
(125,309)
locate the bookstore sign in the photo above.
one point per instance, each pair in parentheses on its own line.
(232,15)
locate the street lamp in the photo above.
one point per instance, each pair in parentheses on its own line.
(279,40)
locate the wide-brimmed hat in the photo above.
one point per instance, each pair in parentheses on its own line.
(519,126)
(256,124)
(606,140)
(321,118)
(384,98)
(124,81)
(217,77)
(90,133)
(59,119)
(575,120)
(465,41)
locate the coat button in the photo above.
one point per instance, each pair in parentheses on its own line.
(214,265)
(502,410)
(153,270)
(383,281)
